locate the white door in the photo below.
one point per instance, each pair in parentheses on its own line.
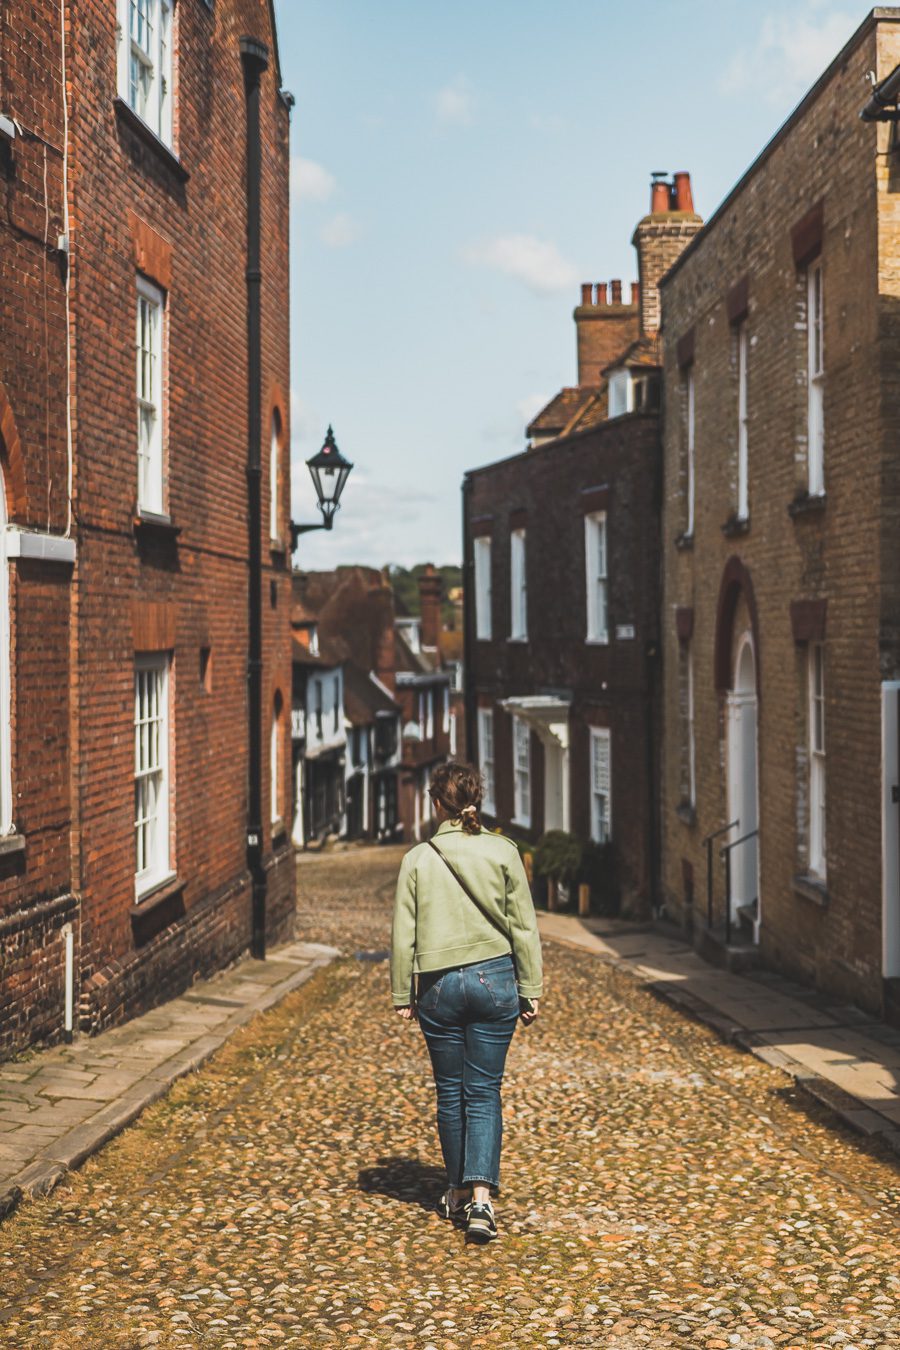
(743,795)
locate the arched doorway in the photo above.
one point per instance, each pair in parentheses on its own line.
(743,784)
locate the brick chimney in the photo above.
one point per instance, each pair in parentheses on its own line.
(604,326)
(660,238)
(381,598)
(430,587)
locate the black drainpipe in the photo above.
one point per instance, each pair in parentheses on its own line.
(255,60)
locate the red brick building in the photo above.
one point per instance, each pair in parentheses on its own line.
(562,586)
(782,588)
(169,769)
(37,544)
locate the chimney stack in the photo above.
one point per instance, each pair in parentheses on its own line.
(660,238)
(604,326)
(430,588)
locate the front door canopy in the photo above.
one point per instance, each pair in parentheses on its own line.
(546,714)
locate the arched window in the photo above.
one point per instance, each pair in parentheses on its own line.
(274,447)
(275,789)
(6,821)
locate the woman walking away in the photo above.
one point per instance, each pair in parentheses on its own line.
(464,922)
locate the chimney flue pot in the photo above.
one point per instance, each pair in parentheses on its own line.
(601,292)
(659,198)
(587,293)
(684,199)
(616,287)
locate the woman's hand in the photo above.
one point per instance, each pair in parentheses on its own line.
(408,1013)
(529,1017)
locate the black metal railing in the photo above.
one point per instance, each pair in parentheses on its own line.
(726,852)
(708,845)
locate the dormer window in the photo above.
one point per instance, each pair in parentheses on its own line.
(314,639)
(619,393)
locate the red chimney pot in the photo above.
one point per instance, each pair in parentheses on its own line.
(684,200)
(601,293)
(659,198)
(616,287)
(587,293)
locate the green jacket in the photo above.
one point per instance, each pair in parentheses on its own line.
(437,926)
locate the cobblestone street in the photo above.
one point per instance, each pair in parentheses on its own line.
(659,1188)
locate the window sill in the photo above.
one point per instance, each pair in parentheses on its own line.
(518,641)
(686,813)
(597,641)
(279,830)
(807,504)
(684,542)
(736,525)
(11,844)
(812,889)
(152,522)
(126,114)
(156,894)
(278,546)
(521,824)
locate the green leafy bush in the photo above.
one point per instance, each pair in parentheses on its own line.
(558,856)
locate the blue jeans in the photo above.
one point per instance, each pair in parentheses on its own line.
(468,1016)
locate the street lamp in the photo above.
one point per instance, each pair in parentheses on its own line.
(329,471)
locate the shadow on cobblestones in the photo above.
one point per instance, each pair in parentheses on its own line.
(405,1179)
(657,1190)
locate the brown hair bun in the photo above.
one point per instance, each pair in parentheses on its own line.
(460,790)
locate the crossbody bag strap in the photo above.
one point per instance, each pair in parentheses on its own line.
(475,901)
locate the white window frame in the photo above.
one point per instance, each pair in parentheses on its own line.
(816,736)
(445,717)
(6,796)
(482,556)
(451,730)
(144,35)
(596,551)
(743,460)
(274,514)
(486,757)
(275,769)
(521,749)
(601,794)
(620,399)
(691,452)
(429,714)
(518,587)
(152,833)
(815,365)
(149,345)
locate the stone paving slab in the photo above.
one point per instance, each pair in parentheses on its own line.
(60,1106)
(839,1055)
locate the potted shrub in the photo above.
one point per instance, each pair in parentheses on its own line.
(558,859)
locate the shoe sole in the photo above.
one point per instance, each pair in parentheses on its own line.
(480,1235)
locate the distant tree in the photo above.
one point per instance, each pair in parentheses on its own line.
(405,582)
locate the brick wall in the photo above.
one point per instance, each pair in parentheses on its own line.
(746,264)
(604,327)
(36,897)
(549,490)
(136,208)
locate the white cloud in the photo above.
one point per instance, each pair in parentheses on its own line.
(791,52)
(339,231)
(454,105)
(378,522)
(537,262)
(310,181)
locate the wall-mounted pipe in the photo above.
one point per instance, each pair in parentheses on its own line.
(255,61)
(882,105)
(68,1023)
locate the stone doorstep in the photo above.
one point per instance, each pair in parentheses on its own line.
(74,1146)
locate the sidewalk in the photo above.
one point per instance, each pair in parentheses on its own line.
(842,1057)
(63,1104)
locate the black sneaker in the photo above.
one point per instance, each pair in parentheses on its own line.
(456,1213)
(481,1225)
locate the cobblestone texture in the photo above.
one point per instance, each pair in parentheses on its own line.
(659,1189)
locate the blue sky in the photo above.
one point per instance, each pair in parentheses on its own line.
(457,170)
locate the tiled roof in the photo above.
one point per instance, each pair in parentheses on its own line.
(644,352)
(555,417)
(302,656)
(363,698)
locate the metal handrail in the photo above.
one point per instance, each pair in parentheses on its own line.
(708,843)
(725,852)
